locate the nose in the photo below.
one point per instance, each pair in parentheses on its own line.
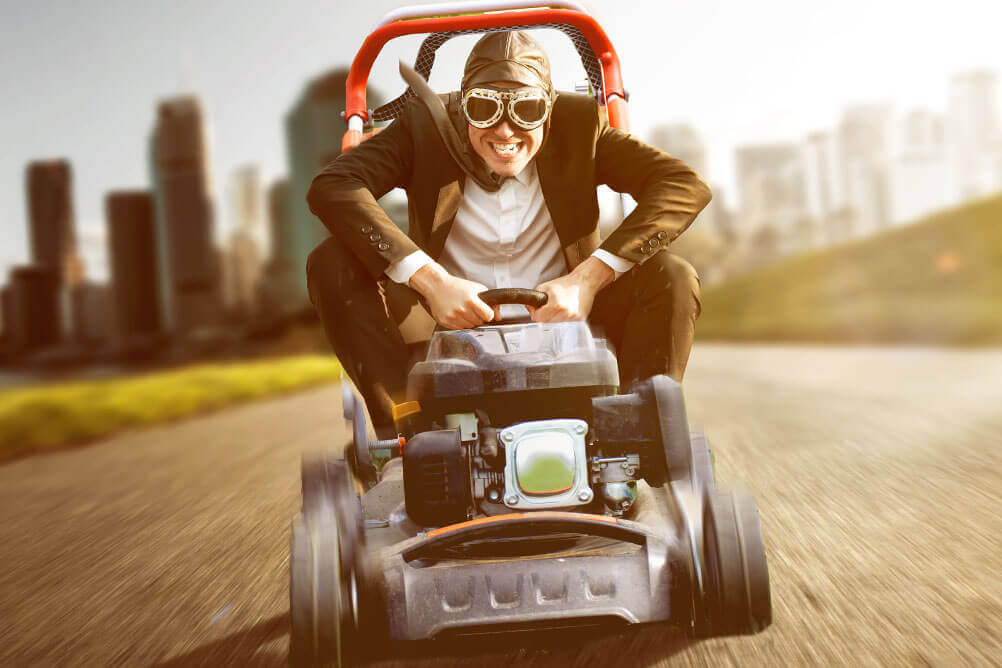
(503,130)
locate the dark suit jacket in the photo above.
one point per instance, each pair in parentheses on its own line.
(580,152)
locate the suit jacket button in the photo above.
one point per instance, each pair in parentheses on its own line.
(383,246)
(655,243)
(662,235)
(366,229)
(374,237)
(645,250)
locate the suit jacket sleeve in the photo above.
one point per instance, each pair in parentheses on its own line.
(344,196)
(668,193)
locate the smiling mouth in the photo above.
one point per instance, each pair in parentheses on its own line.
(506,150)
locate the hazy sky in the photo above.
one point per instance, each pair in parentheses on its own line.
(81,79)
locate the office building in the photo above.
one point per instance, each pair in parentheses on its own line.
(920,179)
(684,142)
(6,313)
(974,134)
(277,290)
(314,129)
(773,207)
(51,225)
(188,263)
(866,142)
(824,189)
(278,223)
(90,313)
(243,262)
(134,261)
(35,308)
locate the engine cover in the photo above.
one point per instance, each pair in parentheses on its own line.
(546,464)
(436,478)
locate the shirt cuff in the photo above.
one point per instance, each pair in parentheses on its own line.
(402,270)
(619,265)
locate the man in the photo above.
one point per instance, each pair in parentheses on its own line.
(501,181)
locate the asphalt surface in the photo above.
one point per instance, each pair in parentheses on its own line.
(878,475)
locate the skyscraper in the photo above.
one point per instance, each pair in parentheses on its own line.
(314,129)
(134,264)
(51,228)
(243,256)
(278,221)
(920,180)
(278,292)
(974,134)
(189,265)
(771,184)
(35,307)
(91,313)
(683,142)
(866,144)
(824,188)
(6,313)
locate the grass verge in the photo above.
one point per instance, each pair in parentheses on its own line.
(47,417)
(938,281)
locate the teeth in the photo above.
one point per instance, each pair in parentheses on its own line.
(505,149)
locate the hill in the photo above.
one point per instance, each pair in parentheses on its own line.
(937,281)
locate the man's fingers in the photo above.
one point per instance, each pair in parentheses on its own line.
(481,310)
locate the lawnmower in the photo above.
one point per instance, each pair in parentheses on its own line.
(525,489)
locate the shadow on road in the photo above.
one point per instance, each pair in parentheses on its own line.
(243,648)
(642,645)
(624,646)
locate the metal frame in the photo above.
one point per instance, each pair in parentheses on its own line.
(474,16)
(649,583)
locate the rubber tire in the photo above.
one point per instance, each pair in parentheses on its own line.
(703,473)
(317,596)
(325,551)
(737,599)
(327,482)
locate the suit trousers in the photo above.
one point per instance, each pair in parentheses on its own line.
(647,315)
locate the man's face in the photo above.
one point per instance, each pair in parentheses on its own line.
(506,148)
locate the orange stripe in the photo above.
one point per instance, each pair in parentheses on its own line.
(405,409)
(515,516)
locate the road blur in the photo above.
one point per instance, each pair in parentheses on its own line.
(878,475)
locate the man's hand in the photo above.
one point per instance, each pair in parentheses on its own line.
(453,301)
(571,296)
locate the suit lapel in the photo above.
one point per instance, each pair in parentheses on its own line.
(450,195)
(557,194)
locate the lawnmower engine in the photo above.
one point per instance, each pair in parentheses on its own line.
(516,418)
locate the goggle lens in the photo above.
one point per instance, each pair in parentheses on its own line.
(481,110)
(527,108)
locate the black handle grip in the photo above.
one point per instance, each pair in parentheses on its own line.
(513,296)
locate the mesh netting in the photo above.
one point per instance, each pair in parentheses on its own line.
(432,43)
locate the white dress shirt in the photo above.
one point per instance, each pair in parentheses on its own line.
(503,239)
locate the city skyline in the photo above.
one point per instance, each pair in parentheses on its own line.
(764,42)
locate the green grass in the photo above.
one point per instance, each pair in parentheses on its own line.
(938,281)
(51,416)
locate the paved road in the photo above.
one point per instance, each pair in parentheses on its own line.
(878,475)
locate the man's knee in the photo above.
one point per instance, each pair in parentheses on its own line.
(328,269)
(681,279)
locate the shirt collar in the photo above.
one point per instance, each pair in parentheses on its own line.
(526,176)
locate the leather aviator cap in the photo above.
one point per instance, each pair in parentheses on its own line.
(508,56)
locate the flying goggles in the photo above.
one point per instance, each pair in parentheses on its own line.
(527,107)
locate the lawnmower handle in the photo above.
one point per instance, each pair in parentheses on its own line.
(408,21)
(523,296)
